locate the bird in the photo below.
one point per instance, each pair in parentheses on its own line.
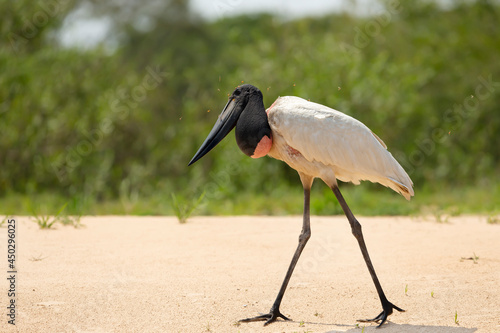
(318,142)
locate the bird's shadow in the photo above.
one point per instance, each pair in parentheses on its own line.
(390,327)
(397,328)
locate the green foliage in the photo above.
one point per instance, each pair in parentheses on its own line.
(69,220)
(46,221)
(474,258)
(493,219)
(75,207)
(117,129)
(4,220)
(184,207)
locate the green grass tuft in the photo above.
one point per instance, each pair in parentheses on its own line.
(46,221)
(492,219)
(184,207)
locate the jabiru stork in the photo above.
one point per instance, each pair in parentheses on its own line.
(318,142)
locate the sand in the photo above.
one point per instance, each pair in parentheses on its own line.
(152,274)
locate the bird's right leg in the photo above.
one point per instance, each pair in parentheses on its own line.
(356,231)
(275,313)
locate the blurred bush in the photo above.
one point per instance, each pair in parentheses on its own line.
(106,124)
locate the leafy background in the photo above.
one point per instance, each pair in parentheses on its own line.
(90,129)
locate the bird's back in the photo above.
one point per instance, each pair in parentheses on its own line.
(325,143)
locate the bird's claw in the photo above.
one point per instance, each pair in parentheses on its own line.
(382,317)
(269,317)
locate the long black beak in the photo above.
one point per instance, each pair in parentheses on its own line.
(224,124)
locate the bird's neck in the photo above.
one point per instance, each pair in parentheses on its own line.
(253,133)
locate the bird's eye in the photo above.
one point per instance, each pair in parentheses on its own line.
(237,92)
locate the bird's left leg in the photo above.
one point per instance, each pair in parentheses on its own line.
(275,313)
(356,231)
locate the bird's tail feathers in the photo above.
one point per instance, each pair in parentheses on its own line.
(405,190)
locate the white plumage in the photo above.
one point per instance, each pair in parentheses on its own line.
(321,142)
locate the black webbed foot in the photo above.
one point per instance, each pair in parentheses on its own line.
(382,317)
(269,318)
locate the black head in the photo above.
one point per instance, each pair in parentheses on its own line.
(245,110)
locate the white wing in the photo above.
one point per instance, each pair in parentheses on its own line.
(337,141)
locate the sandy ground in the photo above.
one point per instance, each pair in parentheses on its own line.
(152,274)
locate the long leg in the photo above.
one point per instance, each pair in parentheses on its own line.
(356,231)
(305,234)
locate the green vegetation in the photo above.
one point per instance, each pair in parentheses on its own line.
(493,219)
(366,200)
(474,258)
(45,221)
(4,220)
(184,207)
(111,130)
